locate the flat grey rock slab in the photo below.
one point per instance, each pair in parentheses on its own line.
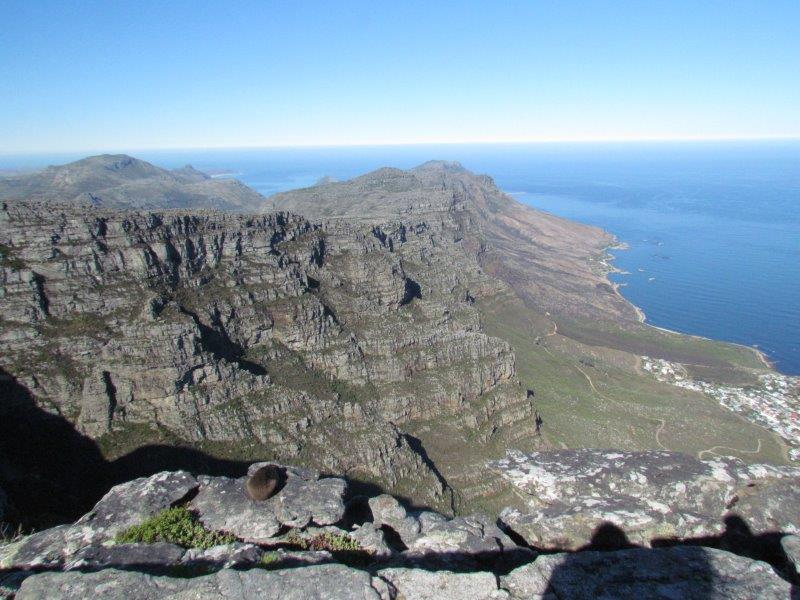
(421,584)
(640,573)
(222,505)
(123,506)
(320,582)
(43,549)
(570,527)
(224,556)
(159,555)
(472,535)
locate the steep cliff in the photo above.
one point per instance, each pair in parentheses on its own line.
(256,335)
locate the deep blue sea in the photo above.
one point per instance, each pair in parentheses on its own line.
(713,228)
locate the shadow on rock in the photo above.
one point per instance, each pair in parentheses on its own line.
(739,539)
(611,567)
(54,474)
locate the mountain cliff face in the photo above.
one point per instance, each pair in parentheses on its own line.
(120,181)
(263,334)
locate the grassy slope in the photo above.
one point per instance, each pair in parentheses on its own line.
(592,395)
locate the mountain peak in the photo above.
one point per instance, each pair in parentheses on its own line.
(450,166)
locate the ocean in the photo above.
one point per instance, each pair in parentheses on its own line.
(712,228)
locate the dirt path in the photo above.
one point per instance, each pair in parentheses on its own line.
(711,450)
(659,431)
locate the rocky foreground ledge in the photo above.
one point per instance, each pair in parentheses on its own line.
(639,525)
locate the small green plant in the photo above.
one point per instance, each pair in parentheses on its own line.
(174,525)
(10,535)
(332,542)
(269,559)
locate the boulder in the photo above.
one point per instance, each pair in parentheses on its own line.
(316,581)
(474,535)
(387,510)
(43,549)
(222,504)
(678,572)
(228,556)
(371,539)
(123,506)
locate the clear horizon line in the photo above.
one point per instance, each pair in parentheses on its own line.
(312,145)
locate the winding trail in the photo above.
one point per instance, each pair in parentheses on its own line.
(659,431)
(711,450)
(661,422)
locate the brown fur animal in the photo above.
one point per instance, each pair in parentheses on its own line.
(263,483)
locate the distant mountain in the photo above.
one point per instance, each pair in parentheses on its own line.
(553,263)
(121,181)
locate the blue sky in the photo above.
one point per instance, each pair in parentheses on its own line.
(118,75)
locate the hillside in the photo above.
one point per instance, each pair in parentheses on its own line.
(120,181)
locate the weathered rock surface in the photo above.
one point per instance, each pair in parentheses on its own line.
(386,510)
(680,572)
(472,536)
(156,556)
(566,495)
(317,581)
(791,546)
(131,503)
(435,585)
(462,557)
(123,506)
(236,555)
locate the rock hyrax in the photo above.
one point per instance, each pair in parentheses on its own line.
(263,483)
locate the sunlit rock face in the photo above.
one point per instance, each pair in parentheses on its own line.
(651,496)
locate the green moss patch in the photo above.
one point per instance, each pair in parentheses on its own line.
(176,526)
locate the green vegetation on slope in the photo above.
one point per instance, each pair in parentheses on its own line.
(595,396)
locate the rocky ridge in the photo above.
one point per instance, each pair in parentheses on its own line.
(394,552)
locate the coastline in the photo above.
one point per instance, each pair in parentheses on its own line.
(606,260)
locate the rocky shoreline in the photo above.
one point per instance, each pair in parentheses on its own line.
(683,528)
